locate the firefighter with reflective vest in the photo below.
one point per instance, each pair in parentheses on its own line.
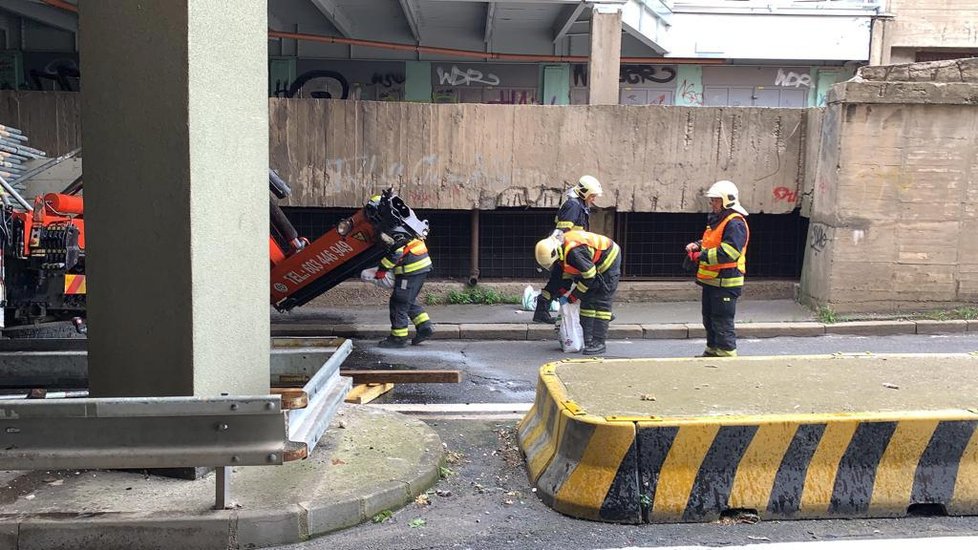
(574,215)
(593,263)
(410,265)
(720,258)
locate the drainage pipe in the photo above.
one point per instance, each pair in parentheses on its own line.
(474,265)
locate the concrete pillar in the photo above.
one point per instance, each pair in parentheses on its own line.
(175,118)
(605,62)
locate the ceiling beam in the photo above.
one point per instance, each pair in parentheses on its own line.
(52,17)
(490,21)
(335,16)
(567,17)
(413,20)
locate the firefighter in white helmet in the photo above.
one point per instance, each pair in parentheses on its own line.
(592,263)
(574,215)
(721,263)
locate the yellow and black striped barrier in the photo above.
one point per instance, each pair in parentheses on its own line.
(634,469)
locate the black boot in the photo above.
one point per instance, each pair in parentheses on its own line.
(425,330)
(587,325)
(393,342)
(542,312)
(600,332)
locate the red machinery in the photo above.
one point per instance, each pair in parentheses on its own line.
(43,262)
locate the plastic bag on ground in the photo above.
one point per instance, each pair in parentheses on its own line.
(569,330)
(530,300)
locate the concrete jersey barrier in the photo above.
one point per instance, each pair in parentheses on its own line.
(684,465)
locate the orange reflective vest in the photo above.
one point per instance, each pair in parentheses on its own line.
(603,252)
(409,259)
(709,272)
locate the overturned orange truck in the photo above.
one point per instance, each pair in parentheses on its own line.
(43,261)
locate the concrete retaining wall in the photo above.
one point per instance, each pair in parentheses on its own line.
(464,156)
(895,191)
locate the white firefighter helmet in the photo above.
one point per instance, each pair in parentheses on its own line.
(588,186)
(727,191)
(547,251)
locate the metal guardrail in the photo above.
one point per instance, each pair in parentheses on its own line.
(176,432)
(139,432)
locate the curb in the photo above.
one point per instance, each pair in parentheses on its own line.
(232,529)
(634,331)
(647,469)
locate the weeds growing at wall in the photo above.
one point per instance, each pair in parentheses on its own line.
(472,295)
(826,315)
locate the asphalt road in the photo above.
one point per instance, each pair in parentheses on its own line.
(506,372)
(485,501)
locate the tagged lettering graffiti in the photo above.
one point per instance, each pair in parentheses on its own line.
(820,238)
(457,77)
(319,262)
(387,80)
(689,93)
(792,79)
(785,194)
(630,74)
(320,84)
(633,74)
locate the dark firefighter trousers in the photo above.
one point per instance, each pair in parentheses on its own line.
(596,303)
(719,309)
(403,304)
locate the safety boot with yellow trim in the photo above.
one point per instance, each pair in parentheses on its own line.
(393,342)
(425,331)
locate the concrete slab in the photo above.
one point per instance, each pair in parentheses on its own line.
(625,332)
(492,331)
(665,331)
(972,325)
(942,327)
(680,440)
(695,330)
(771,330)
(538,331)
(872,328)
(126,530)
(445,332)
(367,452)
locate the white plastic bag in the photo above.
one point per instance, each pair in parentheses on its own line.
(530,300)
(369,276)
(569,330)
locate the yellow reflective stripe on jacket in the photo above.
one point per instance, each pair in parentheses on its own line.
(711,257)
(605,315)
(589,274)
(589,313)
(412,267)
(386,264)
(730,250)
(608,259)
(581,287)
(565,225)
(724,282)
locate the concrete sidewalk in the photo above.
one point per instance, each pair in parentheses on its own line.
(369,461)
(633,320)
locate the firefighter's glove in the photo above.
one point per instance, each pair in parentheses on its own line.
(567,299)
(380,274)
(694,256)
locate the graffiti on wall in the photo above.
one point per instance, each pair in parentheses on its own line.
(792,79)
(59,74)
(458,77)
(526,96)
(785,194)
(630,74)
(319,84)
(690,93)
(819,238)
